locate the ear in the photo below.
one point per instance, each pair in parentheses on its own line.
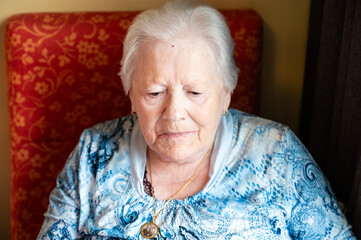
(227,100)
(132,100)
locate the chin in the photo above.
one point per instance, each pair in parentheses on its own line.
(173,153)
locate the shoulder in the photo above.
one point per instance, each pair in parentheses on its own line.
(242,121)
(262,141)
(104,142)
(117,127)
(251,129)
(117,131)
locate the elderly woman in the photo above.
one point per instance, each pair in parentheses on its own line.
(183,166)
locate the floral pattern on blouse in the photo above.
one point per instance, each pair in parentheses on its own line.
(266,186)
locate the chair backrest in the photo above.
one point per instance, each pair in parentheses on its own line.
(62,78)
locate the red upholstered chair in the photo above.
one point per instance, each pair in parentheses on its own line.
(62,78)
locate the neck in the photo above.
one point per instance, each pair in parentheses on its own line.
(169,176)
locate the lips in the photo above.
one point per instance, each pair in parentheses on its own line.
(176,134)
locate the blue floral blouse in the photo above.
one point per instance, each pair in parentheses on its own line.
(263,185)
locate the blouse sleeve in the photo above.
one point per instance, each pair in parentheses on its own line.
(314,210)
(61,218)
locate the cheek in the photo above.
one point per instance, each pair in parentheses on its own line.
(209,111)
(148,119)
(207,117)
(147,128)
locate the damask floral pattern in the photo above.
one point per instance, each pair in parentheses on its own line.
(62,76)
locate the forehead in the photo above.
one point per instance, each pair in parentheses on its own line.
(181,57)
(182,48)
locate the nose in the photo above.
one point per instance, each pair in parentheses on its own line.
(174,109)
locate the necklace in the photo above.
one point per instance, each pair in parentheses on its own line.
(150,229)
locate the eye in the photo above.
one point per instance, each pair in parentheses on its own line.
(194,93)
(154,94)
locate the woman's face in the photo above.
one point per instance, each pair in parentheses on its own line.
(179,98)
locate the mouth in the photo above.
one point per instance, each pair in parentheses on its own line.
(177,134)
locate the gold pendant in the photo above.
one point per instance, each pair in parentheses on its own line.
(149,230)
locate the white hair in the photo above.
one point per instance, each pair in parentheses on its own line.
(178,19)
